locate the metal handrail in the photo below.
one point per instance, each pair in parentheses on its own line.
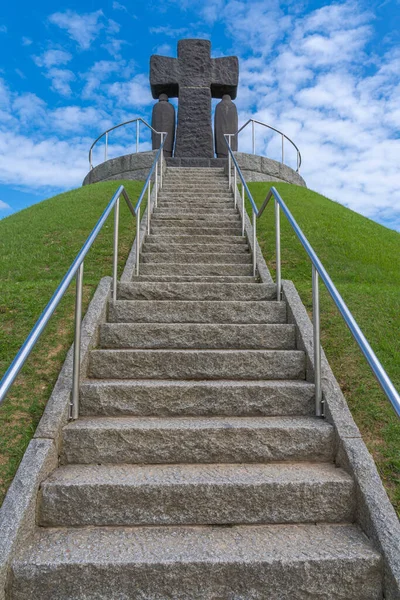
(318,270)
(76,270)
(138,120)
(283,135)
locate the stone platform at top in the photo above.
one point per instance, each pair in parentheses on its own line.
(194,77)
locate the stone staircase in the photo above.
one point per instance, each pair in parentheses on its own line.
(197,469)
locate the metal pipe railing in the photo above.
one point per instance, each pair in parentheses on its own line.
(138,120)
(318,271)
(76,270)
(255,122)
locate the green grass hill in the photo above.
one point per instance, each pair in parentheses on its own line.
(38,244)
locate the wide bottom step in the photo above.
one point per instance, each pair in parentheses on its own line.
(273,562)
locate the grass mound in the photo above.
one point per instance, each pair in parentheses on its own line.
(37,245)
(362,258)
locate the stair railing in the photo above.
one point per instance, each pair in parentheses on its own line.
(106,133)
(318,271)
(284,137)
(76,270)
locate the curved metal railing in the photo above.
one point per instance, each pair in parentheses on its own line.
(76,270)
(284,137)
(138,120)
(318,270)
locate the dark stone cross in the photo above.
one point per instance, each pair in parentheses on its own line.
(194,77)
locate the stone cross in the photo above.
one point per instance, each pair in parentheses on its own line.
(194,77)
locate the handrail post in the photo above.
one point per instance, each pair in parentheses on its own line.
(137,135)
(253,136)
(148,207)
(229,163)
(278,251)
(234,183)
(74,406)
(137,240)
(91,158)
(242,209)
(106,147)
(317,344)
(254,243)
(115,250)
(161,162)
(283,152)
(156,184)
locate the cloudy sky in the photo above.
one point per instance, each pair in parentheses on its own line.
(328,75)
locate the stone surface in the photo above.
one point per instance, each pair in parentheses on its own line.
(269,562)
(80,495)
(197,364)
(154,290)
(195,77)
(194,335)
(193,311)
(155,440)
(130,166)
(163,120)
(196,398)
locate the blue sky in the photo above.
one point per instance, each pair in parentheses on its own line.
(326,74)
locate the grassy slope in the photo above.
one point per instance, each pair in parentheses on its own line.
(362,258)
(37,245)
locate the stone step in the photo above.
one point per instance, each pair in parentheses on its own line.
(257,562)
(230,279)
(196,291)
(196,364)
(212,186)
(202,270)
(194,311)
(193,248)
(198,258)
(232,230)
(197,239)
(196,221)
(183,440)
(196,199)
(165,398)
(126,495)
(197,335)
(177,211)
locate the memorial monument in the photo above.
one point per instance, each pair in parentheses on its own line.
(194,78)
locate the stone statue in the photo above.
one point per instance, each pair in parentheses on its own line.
(163,119)
(194,77)
(225,121)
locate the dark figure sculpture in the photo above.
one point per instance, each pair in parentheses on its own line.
(163,119)
(225,121)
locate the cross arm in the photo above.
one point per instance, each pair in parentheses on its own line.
(225,76)
(164,76)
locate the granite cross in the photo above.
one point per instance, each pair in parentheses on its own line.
(194,77)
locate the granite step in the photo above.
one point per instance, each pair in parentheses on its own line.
(178,211)
(229,279)
(166,398)
(194,440)
(195,270)
(195,311)
(196,221)
(261,562)
(196,364)
(196,291)
(173,246)
(197,335)
(195,239)
(195,230)
(182,494)
(198,258)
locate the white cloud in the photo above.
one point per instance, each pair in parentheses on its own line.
(4,205)
(169,31)
(132,93)
(119,6)
(82,28)
(61,80)
(3,29)
(26,41)
(51,58)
